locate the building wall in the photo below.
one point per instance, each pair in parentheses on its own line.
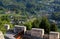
(54,35)
(37,32)
(18,28)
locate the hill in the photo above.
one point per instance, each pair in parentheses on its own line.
(30,6)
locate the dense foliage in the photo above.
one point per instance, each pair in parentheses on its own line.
(42,23)
(53,27)
(35,23)
(4,20)
(45,24)
(28,25)
(29,9)
(30,6)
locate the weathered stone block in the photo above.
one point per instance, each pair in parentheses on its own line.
(37,32)
(54,35)
(18,28)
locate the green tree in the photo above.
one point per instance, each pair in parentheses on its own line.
(45,24)
(28,25)
(5,18)
(2,26)
(36,23)
(53,27)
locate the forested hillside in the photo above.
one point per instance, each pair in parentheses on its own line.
(30,6)
(12,12)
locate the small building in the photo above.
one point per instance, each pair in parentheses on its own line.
(37,32)
(18,28)
(54,35)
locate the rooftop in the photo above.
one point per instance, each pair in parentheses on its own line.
(37,29)
(54,32)
(19,26)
